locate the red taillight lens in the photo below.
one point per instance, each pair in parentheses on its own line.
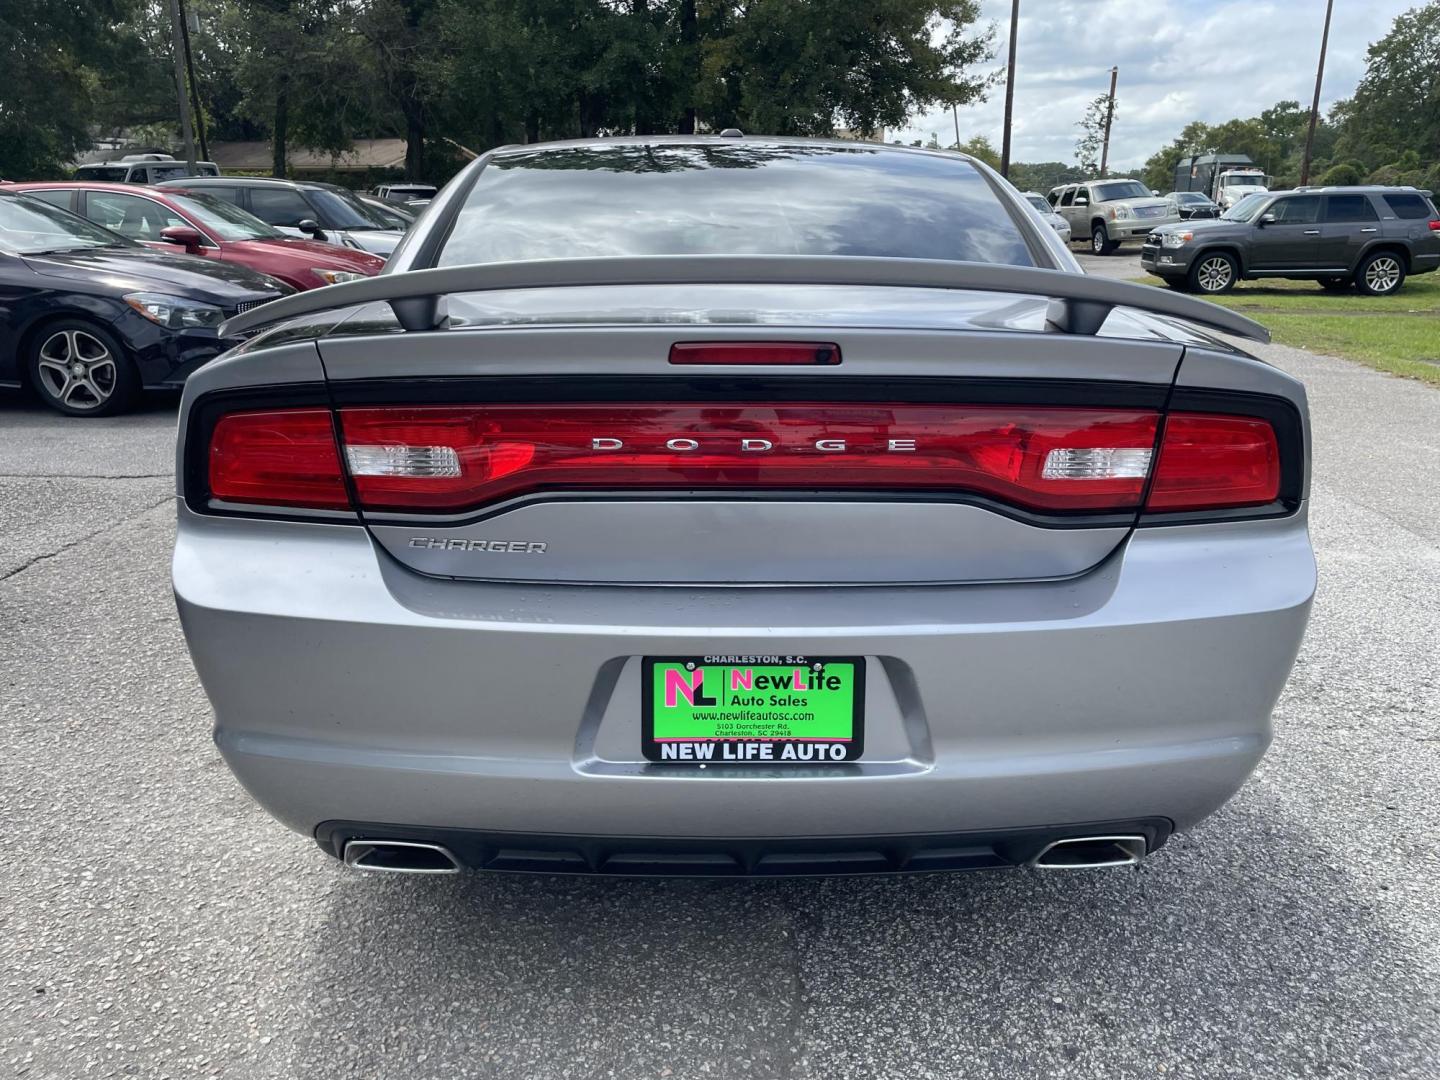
(1434,225)
(755,352)
(448,459)
(1209,462)
(282,458)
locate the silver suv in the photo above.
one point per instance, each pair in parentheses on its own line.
(1111,212)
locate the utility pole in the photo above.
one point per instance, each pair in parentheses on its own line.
(1009,91)
(194,85)
(955,111)
(1109,116)
(177,37)
(1315,103)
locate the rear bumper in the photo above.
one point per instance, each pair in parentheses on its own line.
(349,689)
(799,856)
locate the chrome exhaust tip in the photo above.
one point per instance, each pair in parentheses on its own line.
(400,857)
(1090,852)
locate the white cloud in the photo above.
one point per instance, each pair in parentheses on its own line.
(1179,60)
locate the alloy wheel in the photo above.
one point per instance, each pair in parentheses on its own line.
(1214,275)
(1383,274)
(77,369)
(1098,241)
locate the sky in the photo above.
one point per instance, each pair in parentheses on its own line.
(1179,60)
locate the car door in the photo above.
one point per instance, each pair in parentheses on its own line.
(138,218)
(1066,207)
(64,198)
(1348,222)
(1289,241)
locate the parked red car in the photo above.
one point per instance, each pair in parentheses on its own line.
(208,226)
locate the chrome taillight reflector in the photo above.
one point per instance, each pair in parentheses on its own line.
(400,460)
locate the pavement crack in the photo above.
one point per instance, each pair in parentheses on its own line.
(86,476)
(48,555)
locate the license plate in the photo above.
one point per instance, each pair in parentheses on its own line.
(780,709)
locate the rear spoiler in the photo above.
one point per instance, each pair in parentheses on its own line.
(1079,304)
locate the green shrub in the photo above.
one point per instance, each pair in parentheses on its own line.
(1341,175)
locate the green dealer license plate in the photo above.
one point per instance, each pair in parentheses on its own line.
(783,709)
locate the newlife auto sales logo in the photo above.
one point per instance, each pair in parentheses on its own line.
(762,708)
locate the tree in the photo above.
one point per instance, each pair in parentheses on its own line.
(1041,176)
(980,147)
(1396,107)
(806,67)
(60,64)
(1092,134)
(1341,175)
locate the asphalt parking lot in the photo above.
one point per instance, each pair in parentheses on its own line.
(154,923)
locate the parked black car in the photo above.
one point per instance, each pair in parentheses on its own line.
(1371,237)
(1194,204)
(89,318)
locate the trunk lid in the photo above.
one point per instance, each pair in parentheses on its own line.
(900,463)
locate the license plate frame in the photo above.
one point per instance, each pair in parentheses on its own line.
(823,739)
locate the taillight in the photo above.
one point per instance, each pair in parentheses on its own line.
(1434,225)
(1210,462)
(456,458)
(755,352)
(285,457)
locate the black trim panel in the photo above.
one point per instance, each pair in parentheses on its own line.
(649,856)
(811,386)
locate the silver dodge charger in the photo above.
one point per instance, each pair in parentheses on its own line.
(723,505)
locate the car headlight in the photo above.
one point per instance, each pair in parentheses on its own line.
(1175,239)
(175,312)
(1121,213)
(336,277)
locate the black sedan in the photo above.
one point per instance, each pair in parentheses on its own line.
(89,319)
(1193,204)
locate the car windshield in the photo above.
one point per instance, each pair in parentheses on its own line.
(225,220)
(1121,189)
(397,217)
(1242,180)
(731,199)
(1247,207)
(1189,197)
(1039,203)
(32,227)
(343,210)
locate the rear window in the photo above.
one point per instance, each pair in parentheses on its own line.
(735,199)
(112,174)
(1409,207)
(1343,208)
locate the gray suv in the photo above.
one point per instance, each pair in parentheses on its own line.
(1111,212)
(1369,237)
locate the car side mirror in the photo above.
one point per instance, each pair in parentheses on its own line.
(311,227)
(188,238)
(1154,193)
(1267,219)
(1082,200)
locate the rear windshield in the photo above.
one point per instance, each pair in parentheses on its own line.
(741,199)
(107,173)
